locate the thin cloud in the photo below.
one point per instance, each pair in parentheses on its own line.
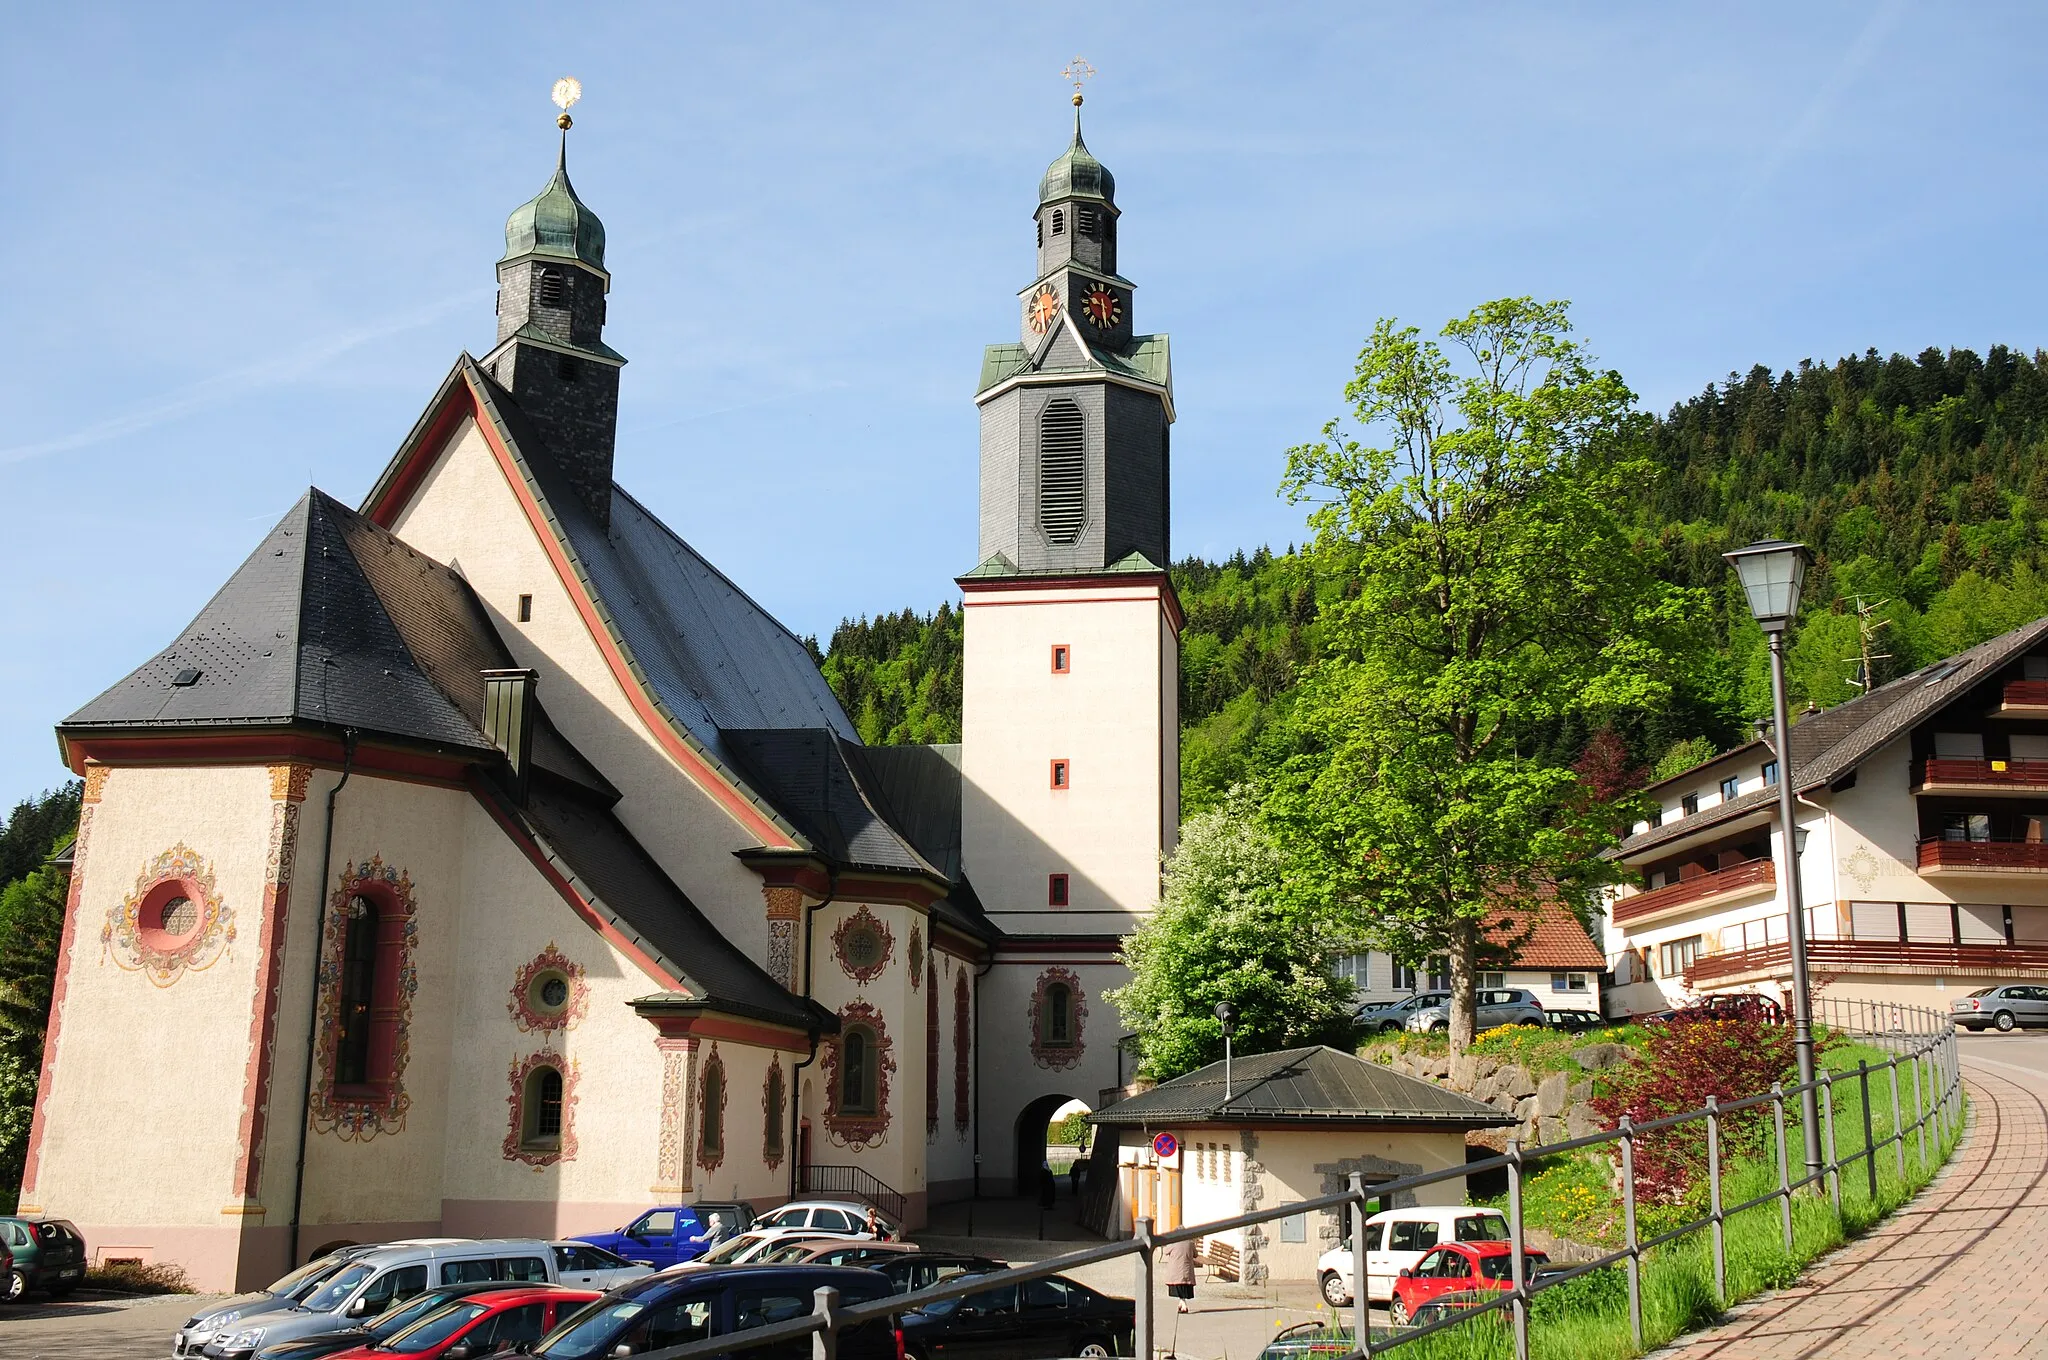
(224,387)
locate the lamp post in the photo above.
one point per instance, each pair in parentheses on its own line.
(1771,573)
(1225,1014)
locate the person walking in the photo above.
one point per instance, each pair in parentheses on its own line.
(1177,1269)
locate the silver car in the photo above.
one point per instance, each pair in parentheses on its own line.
(1387,1016)
(2004,1008)
(1497,1006)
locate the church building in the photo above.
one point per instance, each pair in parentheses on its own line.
(482,860)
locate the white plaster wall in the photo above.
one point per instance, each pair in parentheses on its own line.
(1014,1077)
(949,1147)
(897,1158)
(1108,716)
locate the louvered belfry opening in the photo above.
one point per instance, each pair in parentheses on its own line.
(1062,471)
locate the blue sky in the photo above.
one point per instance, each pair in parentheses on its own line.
(248,241)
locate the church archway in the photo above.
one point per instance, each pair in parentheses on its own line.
(1034,1123)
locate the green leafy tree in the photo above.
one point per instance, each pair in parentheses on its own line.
(1498,592)
(31,928)
(1227,930)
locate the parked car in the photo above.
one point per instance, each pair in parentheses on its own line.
(2004,1008)
(491,1323)
(1396,1239)
(370,1284)
(1054,1316)
(737,1213)
(672,1309)
(659,1238)
(1575,1022)
(818,1218)
(1454,1302)
(1313,1341)
(911,1272)
(832,1251)
(748,1249)
(41,1253)
(1457,1267)
(1388,1016)
(578,1265)
(393,1322)
(282,1293)
(1496,1005)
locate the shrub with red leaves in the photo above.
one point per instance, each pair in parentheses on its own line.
(1689,1060)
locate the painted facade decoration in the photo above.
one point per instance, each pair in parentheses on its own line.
(774,1113)
(916,957)
(173,923)
(863,945)
(1056,1037)
(713,1092)
(932,1034)
(549,993)
(671,1167)
(287,794)
(963,1111)
(785,909)
(848,1125)
(529,1139)
(358,1114)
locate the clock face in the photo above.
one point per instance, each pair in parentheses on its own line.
(1102,308)
(1044,307)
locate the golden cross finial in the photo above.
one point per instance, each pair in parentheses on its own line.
(1080,72)
(567,91)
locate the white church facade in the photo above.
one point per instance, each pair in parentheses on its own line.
(482,861)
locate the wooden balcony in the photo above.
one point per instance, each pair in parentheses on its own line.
(1947,774)
(2025,696)
(1938,856)
(1850,956)
(1748,877)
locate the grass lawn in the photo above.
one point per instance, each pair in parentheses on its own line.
(1587,1318)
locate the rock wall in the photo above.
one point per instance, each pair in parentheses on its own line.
(1551,1107)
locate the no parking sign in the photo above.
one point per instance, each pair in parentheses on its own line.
(1165,1147)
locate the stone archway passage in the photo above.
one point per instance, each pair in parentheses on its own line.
(1962,1270)
(1033,1122)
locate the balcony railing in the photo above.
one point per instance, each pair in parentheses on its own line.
(1755,873)
(1949,771)
(1996,857)
(1846,956)
(2026,694)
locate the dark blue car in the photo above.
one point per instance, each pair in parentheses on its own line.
(672,1310)
(660,1237)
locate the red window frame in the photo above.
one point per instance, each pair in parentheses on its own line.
(1062,658)
(1062,775)
(1058,890)
(389,962)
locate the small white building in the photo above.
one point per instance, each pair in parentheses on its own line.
(1545,951)
(1290,1126)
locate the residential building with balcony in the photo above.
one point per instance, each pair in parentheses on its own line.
(1925,867)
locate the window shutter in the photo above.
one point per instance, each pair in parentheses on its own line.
(1062,491)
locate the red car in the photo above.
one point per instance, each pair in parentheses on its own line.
(481,1324)
(1459,1266)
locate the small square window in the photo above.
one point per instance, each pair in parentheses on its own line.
(1730,787)
(1770,773)
(526,609)
(1689,804)
(1061,774)
(1062,659)
(1656,816)
(1055,890)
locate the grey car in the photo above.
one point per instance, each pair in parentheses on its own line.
(2004,1008)
(1387,1016)
(1497,1006)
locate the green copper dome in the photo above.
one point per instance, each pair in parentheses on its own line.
(556,223)
(1077,174)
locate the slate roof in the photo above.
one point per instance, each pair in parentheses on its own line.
(812,776)
(1829,744)
(1148,359)
(1301,1085)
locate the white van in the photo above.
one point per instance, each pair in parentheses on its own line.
(382,1277)
(1395,1239)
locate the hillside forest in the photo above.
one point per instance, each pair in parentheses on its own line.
(1920,483)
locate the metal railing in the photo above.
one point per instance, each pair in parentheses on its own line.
(858,1182)
(1922,1041)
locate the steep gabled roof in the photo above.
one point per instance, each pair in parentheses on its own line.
(1301,1085)
(1548,936)
(1829,744)
(812,776)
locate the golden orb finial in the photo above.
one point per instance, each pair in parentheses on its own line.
(1080,72)
(567,91)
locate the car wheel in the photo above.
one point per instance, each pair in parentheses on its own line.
(1398,1311)
(1334,1292)
(14,1287)
(1094,1348)
(1439,1027)
(1390,1026)
(2005,1022)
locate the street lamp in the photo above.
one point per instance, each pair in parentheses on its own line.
(1225,1014)
(1771,574)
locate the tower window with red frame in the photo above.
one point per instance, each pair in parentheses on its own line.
(1062,774)
(1056,890)
(1062,658)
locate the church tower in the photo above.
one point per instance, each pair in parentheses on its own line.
(551,355)
(1070,723)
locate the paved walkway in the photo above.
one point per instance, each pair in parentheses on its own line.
(1960,1272)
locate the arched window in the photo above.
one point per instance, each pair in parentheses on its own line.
(774,1104)
(1062,467)
(857,1070)
(1056,1016)
(714,1109)
(1059,221)
(358,990)
(554,288)
(540,1107)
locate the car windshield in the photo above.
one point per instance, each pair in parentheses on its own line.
(432,1331)
(586,1332)
(1482,1228)
(795,1251)
(400,1318)
(330,1295)
(310,1273)
(727,1252)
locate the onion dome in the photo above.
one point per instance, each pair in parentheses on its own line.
(1077,174)
(556,223)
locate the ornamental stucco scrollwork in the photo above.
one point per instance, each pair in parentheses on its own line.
(858,1130)
(863,945)
(173,923)
(534,1005)
(1045,1052)
(774,1112)
(516,1147)
(671,1168)
(962,1072)
(359,1114)
(916,958)
(710,1111)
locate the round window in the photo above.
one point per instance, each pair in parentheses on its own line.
(180,917)
(549,992)
(863,947)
